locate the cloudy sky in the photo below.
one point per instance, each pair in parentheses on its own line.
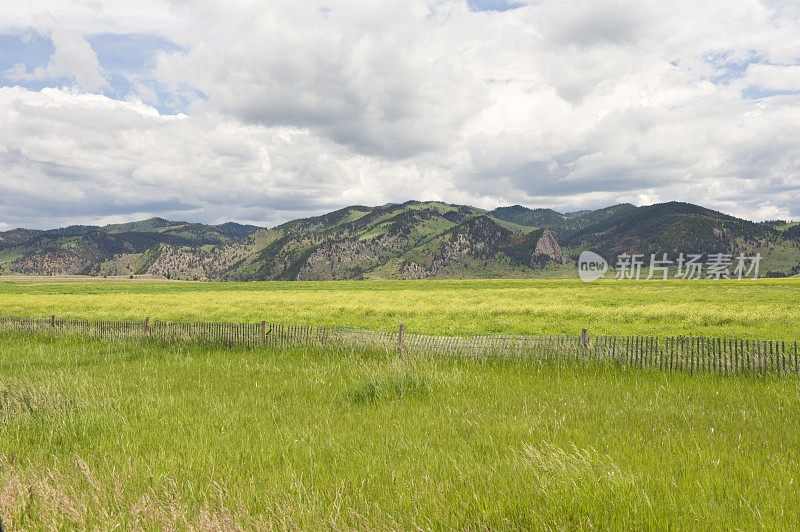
(264,111)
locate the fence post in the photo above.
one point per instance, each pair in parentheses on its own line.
(401,340)
(263,333)
(585,342)
(53,321)
(147,326)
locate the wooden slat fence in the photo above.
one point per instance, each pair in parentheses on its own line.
(681,353)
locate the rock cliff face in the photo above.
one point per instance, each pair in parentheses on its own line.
(192,264)
(412,270)
(51,263)
(479,238)
(346,259)
(178,263)
(547,246)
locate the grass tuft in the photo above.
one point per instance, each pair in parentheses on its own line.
(391,383)
(18,398)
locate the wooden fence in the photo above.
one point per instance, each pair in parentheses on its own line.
(681,353)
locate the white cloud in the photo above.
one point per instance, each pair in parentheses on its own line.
(768,211)
(71,157)
(94,16)
(378,77)
(774,77)
(73,59)
(299,107)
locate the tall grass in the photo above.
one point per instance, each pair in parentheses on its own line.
(742,309)
(142,435)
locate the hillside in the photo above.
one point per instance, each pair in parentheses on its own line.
(672,228)
(89,250)
(413,240)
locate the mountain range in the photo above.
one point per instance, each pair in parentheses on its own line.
(413,240)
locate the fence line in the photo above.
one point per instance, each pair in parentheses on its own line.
(690,354)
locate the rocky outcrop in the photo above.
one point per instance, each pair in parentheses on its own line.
(51,263)
(347,259)
(412,270)
(548,247)
(178,263)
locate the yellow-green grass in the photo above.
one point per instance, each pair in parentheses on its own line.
(766,308)
(145,436)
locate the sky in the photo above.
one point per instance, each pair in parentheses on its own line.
(262,112)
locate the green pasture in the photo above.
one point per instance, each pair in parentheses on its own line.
(146,436)
(765,308)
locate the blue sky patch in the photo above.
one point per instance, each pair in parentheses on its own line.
(493,5)
(31,49)
(126,60)
(758,93)
(729,68)
(130,52)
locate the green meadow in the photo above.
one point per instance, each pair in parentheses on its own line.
(766,308)
(146,435)
(143,435)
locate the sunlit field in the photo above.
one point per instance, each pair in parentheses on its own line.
(144,435)
(745,309)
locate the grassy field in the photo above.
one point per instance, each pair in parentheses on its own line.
(148,436)
(766,308)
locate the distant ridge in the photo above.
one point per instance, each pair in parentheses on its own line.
(412,240)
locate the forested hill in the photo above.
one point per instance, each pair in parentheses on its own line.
(413,240)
